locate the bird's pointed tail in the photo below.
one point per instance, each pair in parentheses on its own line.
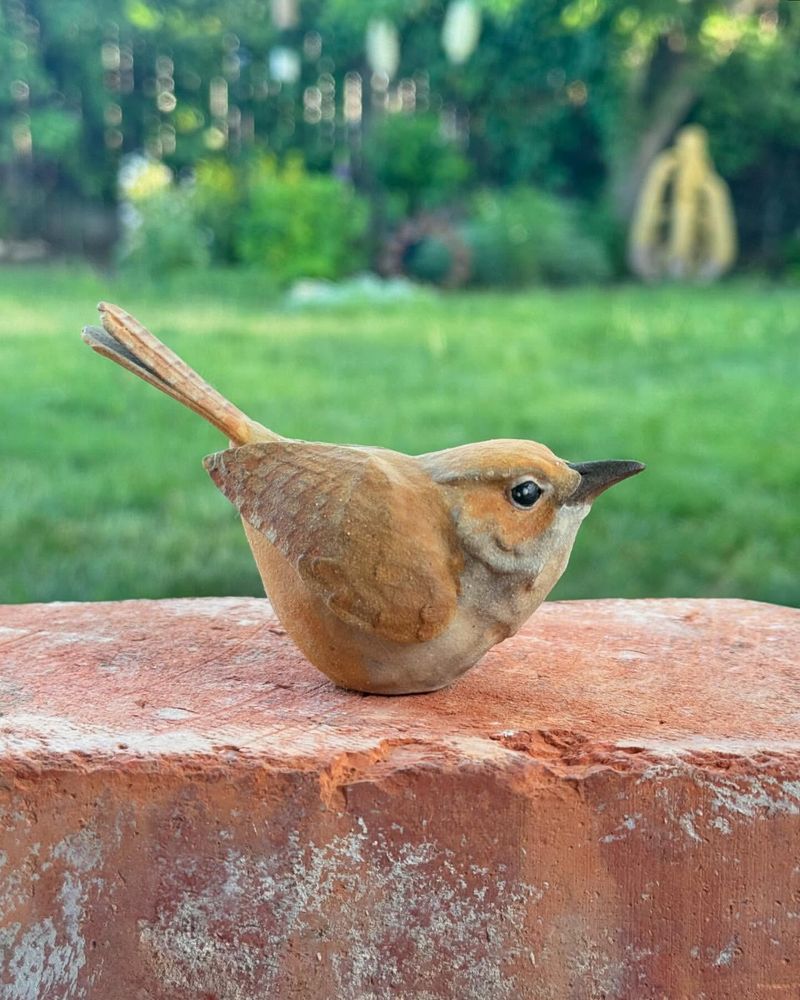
(124,340)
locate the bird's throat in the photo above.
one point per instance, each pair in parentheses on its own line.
(501,587)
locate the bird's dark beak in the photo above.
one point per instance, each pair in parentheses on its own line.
(596,477)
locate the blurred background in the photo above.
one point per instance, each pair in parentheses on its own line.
(411,224)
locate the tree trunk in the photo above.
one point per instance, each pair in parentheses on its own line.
(652,124)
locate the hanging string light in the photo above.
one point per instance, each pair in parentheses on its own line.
(284,14)
(461,30)
(284,64)
(383,47)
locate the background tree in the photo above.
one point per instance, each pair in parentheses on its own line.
(575,99)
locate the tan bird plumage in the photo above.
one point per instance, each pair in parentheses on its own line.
(392,573)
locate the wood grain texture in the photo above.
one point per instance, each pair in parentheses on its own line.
(394,574)
(134,347)
(349,520)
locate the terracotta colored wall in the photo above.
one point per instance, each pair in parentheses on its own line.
(607,807)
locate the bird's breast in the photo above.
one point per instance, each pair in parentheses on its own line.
(492,604)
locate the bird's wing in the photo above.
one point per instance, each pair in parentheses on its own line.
(367,531)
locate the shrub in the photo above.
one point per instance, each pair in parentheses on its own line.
(218,201)
(413,163)
(525,236)
(284,220)
(429,261)
(300,224)
(162,233)
(791,257)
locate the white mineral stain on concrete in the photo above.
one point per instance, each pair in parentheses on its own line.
(31,733)
(7,632)
(590,961)
(37,732)
(686,822)
(45,958)
(727,955)
(174,714)
(218,607)
(82,851)
(753,797)
(420,898)
(645,613)
(622,830)
(59,638)
(676,751)
(742,796)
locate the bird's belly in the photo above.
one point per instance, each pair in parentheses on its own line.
(353,657)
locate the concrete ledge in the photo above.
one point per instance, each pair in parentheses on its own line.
(608,806)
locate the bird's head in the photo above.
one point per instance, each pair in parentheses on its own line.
(517,506)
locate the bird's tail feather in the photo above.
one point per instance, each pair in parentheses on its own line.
(124,340)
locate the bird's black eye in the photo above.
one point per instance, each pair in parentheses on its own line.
(525,494)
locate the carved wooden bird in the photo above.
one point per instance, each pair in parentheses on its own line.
(393,574)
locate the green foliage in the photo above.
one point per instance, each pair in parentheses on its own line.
(790,253)
(298,224)
(282,220)
(525,236)
(164,235)
(413,163)
(751,109)
(430,261)
(53,132)
(219,198)
(563,96)
(527,123)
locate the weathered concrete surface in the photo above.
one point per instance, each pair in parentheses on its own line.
(608,806)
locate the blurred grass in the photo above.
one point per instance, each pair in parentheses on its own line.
(102,494)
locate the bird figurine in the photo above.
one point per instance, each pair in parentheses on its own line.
(394,574)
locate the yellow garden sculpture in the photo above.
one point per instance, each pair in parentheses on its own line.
(684,226)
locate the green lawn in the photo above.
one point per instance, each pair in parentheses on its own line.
(102,494)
